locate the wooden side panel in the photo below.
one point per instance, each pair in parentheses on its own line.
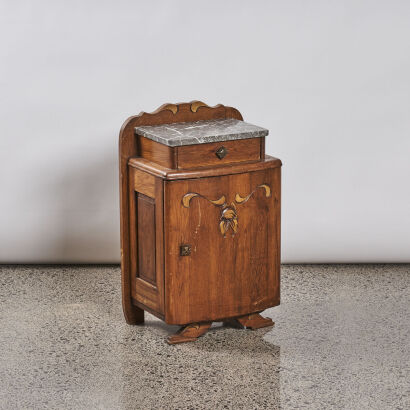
(146,238)
(228,273)
(156,152)
(146,241)
(203,155)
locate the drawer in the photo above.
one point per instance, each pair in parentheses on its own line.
(219,153)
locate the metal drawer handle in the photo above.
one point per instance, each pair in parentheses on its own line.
(221,152)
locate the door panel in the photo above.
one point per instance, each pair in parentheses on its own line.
(232,224)
(146,241)
(146,238)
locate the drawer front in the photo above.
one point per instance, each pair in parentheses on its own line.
(219,153)
(222,246)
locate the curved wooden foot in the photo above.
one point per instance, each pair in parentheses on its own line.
(189,333)
(133,314)
(254,321)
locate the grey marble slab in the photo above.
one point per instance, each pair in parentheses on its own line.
(201,132)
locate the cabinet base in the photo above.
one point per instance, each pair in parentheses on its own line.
(191,332)
(252,321)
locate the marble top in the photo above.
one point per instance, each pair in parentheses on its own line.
(201,132)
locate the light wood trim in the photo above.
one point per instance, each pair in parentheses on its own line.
(144,183)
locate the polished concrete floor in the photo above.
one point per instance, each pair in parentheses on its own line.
(341,341)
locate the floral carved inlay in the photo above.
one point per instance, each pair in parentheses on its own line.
(229,216)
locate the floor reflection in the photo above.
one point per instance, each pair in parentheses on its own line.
(226,368)
(341,341)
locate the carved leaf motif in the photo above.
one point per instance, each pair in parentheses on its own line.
(229,216)
(267,189)
(239,199)
(187,198)
(234,225)
(228,219)
(220,201)
(222,227)
(228,213)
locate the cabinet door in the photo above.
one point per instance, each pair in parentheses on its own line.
(232,227)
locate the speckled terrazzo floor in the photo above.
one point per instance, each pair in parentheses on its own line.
(341,341)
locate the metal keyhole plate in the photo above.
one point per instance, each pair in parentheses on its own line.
(185,250)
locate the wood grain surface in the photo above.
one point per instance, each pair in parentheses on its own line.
(225,276)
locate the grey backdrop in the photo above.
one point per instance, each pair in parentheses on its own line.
(330,79)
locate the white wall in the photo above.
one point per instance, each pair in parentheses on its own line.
(329,79)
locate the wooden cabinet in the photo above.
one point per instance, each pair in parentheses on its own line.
(200,219)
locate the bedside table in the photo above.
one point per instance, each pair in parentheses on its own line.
(200,219)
